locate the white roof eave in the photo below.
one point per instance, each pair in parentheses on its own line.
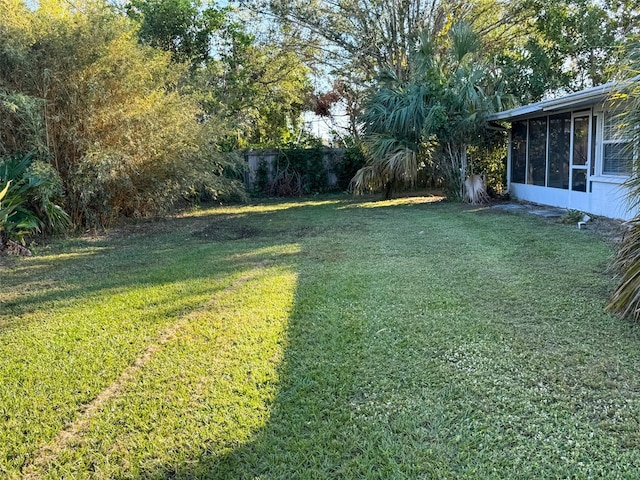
(583,98)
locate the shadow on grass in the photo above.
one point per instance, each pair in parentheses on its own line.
(310,433)
(152,254)
(314,429)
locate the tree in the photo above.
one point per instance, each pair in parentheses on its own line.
(372,36)
(361,39)
(183,27)
(439,112)
(567,45)
(112,121)
(254,80)
(261,87)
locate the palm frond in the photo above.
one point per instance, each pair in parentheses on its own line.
(464,41)
(626,297)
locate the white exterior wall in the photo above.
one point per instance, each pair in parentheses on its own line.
(606,198)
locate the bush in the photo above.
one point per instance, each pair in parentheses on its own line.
(306,163)
(286,183)
(261,184)
(123,138)
(29,189)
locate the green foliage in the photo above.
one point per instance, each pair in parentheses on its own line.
(626,97)
(21,123)
(30,189)
(353,159)
(242,70)
(370,36)
(488,157)
(572,217)
(308,163)
(121,135)
(7,209)
(261,89)
(433,117)
(566,45)
(262,177)
(625,299)
(296,171)
(183,27)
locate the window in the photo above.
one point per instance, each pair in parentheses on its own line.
(518,151)
(617,150)
(537,151)
(559,144)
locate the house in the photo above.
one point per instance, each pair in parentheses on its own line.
(567,152)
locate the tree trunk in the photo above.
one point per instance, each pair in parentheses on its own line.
(463,168)
(388,190)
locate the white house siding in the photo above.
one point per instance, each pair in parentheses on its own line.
(606,199)
(528,181)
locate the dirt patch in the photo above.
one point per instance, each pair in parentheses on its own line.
(611,230)
(223,230)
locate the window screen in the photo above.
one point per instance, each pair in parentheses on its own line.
(559,145)
(518,151)
(537,151)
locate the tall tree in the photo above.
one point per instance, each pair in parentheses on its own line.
(567,45)
(261,85)
(440,112)
(107,112)
(183,27)
(361,39)
(257,82)
(371,36)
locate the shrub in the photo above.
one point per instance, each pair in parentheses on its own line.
(29,189)
(286,183)
(572,217)
(122,136)
(306,163)
(352,160)
(262,178)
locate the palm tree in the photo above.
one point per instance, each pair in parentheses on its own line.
(394,124)
(625,299)
(439,111)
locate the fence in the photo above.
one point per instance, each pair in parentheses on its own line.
(317,162)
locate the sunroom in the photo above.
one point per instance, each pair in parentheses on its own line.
(567,152)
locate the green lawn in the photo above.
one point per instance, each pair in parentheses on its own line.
(319,339)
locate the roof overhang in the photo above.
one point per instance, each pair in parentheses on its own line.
(576,100)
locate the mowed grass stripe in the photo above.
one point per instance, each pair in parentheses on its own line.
(400,339)
(48,453)
(205,392)
(57,354)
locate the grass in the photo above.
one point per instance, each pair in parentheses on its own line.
(325,338)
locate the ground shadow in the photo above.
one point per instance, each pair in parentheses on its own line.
(126,259)
(311,431)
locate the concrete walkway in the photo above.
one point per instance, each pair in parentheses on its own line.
(613,230)
(539,210)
